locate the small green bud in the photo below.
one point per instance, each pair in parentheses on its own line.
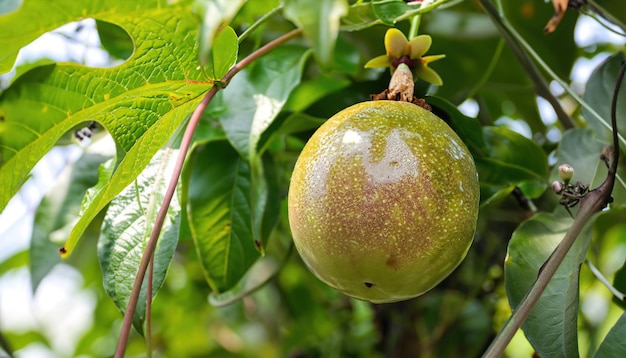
(566,172)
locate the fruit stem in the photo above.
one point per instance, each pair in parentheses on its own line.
(401,85)
(415,25)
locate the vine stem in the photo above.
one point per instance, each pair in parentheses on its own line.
(516,44)
(593,202)
(169,194)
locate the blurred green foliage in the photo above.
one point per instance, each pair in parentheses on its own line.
(247,143)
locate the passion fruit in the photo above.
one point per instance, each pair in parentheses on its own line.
(383,201)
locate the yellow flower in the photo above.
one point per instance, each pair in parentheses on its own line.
(400,50)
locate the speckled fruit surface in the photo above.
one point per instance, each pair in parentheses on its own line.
(383,201)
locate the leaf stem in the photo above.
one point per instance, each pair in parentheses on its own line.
(167,199)
(492,66)
(595,7)
(415,26)
(598,274)
(259,22)
(593,202)
(426,7)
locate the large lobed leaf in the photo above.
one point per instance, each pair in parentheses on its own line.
(141,102)
(127,227)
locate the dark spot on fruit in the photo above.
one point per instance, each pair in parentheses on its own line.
(369,284)
(392,262)
(62,250)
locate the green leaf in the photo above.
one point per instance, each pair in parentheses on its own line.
(127,227)
(57,213)
(551,326)
(141,102)
(15,261)
(290,124)
(261,271)
(312,90)
(388,11)
(319,21)
(482,68)
(256,95)
(21,27)
(218,189)
(360,16)
(619,282)
(24,68)
(115,40)
(609,233)
(599,95)
(221,61)
(512,160)
(217,15)
(268,194)
(503,158)
(468,129)
(614,345)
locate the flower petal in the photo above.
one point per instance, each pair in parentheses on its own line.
(378,62)
(395,43)
(428,74)
(419,45)
(433,58)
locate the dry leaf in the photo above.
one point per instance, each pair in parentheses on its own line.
(560,6)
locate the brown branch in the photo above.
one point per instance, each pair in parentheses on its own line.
(167,199)
(590,204)
(542,87)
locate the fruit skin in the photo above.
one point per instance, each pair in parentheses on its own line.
(383,201)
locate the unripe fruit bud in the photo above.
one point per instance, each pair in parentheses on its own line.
(557,187)
(566,172)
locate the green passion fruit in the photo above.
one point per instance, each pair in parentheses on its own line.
(383,201)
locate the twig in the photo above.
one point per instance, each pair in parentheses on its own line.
(258,23)
(593,202)
(595,7)
(596,272)
(529,49)
(149,309)
(182,154)
(541,85)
